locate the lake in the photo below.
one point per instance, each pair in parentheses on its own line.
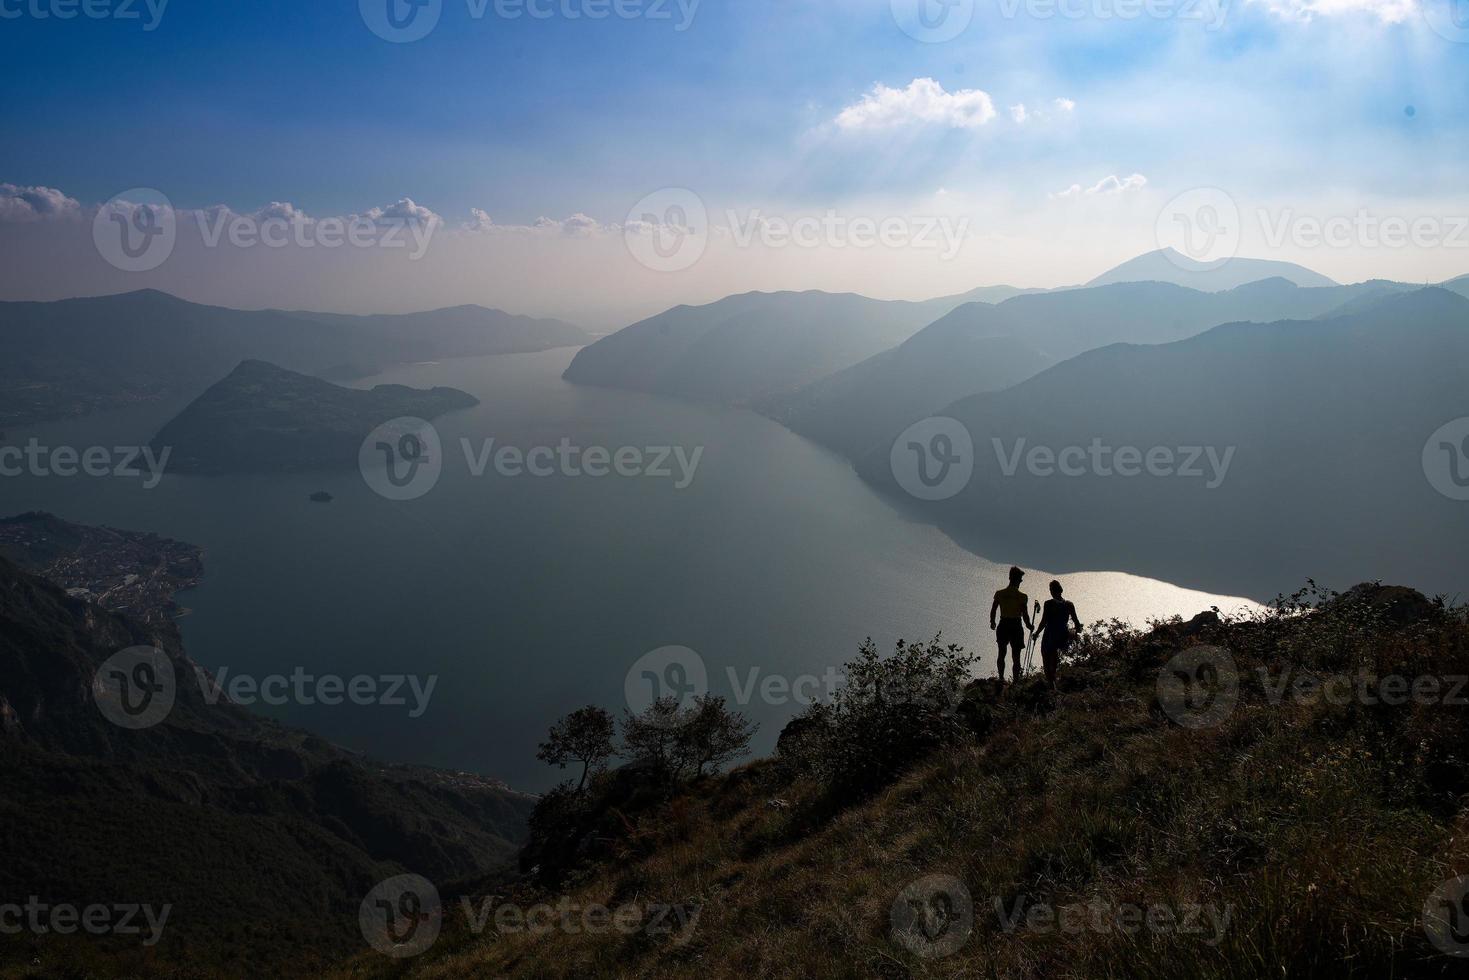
(529,596)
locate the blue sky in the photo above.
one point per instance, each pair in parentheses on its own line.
(248,103)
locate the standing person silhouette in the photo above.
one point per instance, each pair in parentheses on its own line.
(1014,609)
(1056,618)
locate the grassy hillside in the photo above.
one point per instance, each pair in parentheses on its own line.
(1289,835)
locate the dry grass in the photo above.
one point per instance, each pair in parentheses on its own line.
(1319,829)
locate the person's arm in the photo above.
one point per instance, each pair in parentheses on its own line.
(1071,607)
(993,606)
(1025,614)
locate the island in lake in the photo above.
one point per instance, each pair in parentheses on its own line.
(265,419)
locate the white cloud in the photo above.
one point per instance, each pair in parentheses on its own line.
(35,204)
(1064,104)
(1387,11)
(479,220)
(280,209)
(577,225)
(923,101)
(1110,185)
(405,211)
(1017,113)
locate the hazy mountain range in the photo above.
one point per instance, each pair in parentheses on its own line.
(754,344)
(757,348)
(1170,265)
(1320,426)
(75,357)
(979,347)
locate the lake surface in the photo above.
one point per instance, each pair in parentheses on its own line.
(528,597)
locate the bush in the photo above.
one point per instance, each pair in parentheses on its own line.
(889,713)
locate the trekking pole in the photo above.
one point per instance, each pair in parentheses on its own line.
(1035,629)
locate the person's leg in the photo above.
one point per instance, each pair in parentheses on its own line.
(1051,659)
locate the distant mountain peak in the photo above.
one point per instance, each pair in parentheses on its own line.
(1170,265)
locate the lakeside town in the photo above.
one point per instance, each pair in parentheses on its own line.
(132,572)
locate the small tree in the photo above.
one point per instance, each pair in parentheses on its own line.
(652,736)
(713,735)
(583,736)
(685,741)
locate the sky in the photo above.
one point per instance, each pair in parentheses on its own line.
(604,159)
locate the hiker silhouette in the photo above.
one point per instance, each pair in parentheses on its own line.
(1054,627)
(1013,607)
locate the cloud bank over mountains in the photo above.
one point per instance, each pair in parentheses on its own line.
(591,268)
